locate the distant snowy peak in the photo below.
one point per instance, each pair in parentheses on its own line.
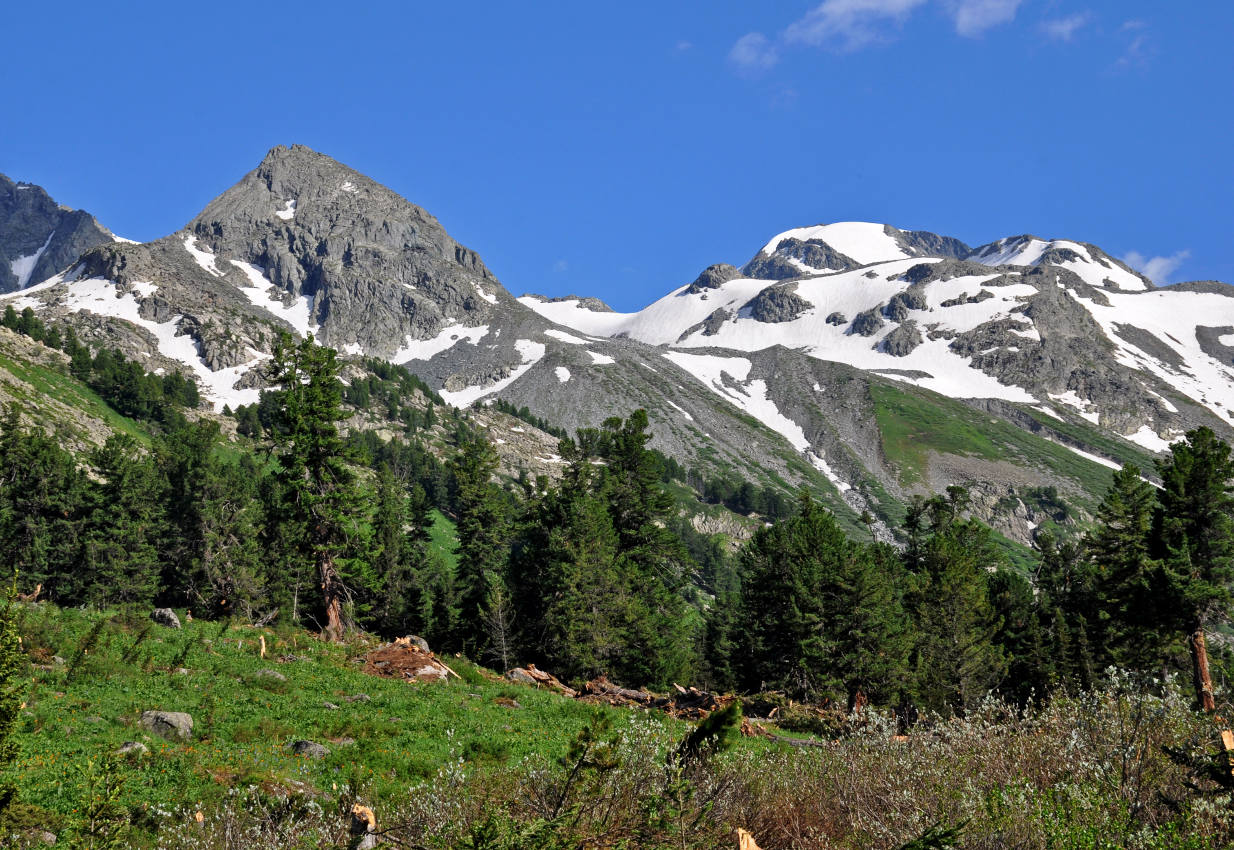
(1093,265)
(844,246)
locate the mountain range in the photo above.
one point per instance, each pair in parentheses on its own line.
(861,361)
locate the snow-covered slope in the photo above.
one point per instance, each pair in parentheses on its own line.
(1058,325)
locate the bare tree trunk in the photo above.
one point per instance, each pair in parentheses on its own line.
(1199,664)
(332,596)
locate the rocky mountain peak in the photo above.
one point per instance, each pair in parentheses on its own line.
(38,237)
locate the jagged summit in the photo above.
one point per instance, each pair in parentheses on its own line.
(39,237)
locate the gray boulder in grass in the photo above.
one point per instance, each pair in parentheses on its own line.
(173,725)
(165,617)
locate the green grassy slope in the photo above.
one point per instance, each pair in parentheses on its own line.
(244,722)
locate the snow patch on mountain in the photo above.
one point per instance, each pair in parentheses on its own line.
(562,336)
(288,212)
(822,466)
(1172,317)
(727,378)
(298,314)
(23,267)
(563,374)
(205,259)
(531,351)
(598,359)
(866,242)
(426,349)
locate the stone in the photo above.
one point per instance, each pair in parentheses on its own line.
(165,617)
(273,675)
(329,706)
(173,725)
(132,748)
(358,698)
(309,749)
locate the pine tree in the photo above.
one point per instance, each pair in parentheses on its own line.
(957,658)
(1128,584)
(12,687)
(483,522)
(1197,533)
(319,505)
(120,562)
(820,614)
(571,603)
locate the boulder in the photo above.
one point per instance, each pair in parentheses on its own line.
(173,725)
(274,675)
(309,749)
(132,748)
(165,617)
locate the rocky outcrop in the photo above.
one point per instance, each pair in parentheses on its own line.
(777,304)
(902,340)
(868,322)
(713,277)
(165,617)
(38,237)
(813,254)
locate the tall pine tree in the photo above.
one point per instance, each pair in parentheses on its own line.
(1197,533)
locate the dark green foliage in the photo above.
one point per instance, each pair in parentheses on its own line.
(714,734)
(483,520)
(820,615)
(937,837)
(318,508)
(1197,524)
(13,686)
(957,660)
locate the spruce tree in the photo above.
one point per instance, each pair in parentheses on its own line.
(1128,584)
(958,660)
(483,523)
(319,506)
(1197,534)
(820,615)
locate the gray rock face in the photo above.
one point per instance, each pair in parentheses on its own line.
(902,339)
(172,725)
(713,277)
(38,237)
(868,322)
(836,318)
(777,304)
(165,617)
(377,268)
(924,273)
(899,305)
(814,253)
(595,305)
(965,298)
(926,244)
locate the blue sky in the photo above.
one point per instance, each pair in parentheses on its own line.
(616,150)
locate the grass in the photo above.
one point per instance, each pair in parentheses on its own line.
(443,538)
(244,722)
(54,384)
(447,763)
(915,424)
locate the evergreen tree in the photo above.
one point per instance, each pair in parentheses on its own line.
(820,615)
(573,606)
(13,684)
(119,561)
(957,658)
(319,507)
(1197,535)
(483,522)
(1128,584)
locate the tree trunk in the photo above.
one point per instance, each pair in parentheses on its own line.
(332,597)
(1199,665)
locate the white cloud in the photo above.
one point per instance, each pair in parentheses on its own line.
(974,17)
(1157,269)
(850,24)
(1138,50)
(1064,29)
(752,53)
